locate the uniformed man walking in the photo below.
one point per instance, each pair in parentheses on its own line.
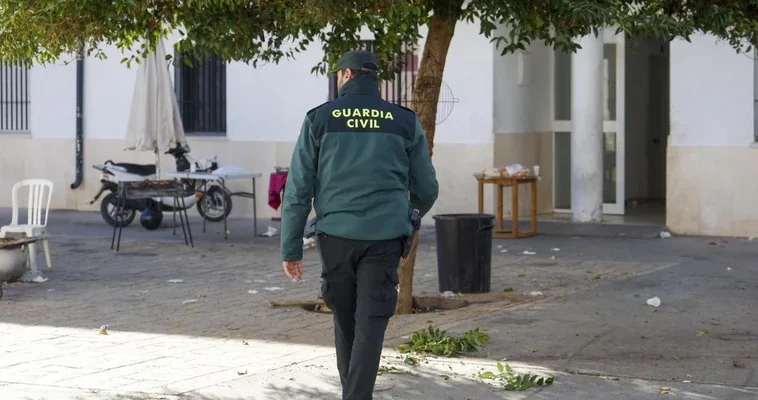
(365,164)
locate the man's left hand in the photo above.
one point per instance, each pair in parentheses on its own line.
(293,269)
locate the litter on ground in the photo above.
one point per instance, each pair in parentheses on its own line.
(271,231)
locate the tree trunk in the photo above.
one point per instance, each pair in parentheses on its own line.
(426,93)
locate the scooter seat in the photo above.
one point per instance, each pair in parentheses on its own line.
(138,169)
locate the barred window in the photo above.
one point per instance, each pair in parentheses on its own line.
(201,94)
(14,97)
(399,90)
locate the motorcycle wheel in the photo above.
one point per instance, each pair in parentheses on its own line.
(215,200)
(108,211)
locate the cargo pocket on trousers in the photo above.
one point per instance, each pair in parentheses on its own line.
(326,294)
(384,293)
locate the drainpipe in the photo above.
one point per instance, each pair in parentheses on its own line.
(79,112)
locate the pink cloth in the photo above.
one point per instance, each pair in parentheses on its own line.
(276,184)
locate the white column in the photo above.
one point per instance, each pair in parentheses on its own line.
(587,130)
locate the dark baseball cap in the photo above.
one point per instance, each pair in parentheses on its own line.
(358,60)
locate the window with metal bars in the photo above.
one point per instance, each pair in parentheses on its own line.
(201,93)
(14,97)
(398,90)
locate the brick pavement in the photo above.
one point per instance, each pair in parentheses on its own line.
(49,340)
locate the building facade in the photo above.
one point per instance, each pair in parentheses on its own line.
(677,119)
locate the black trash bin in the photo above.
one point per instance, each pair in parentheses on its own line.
(464,252)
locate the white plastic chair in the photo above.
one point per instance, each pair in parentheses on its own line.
(40,194)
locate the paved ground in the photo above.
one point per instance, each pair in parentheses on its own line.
(590,328)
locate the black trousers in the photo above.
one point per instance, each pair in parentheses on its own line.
(360,286)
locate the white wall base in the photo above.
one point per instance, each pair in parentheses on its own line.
(712,191)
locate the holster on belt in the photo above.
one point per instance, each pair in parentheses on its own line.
(415,218)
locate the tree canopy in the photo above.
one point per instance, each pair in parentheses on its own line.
(271,30)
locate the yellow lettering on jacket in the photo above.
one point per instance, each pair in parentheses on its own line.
(363,123)
(365,118)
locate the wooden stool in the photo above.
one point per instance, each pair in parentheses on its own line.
(514,183)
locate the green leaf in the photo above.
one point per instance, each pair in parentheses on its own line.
(487,375)
(437,342)
(409,360)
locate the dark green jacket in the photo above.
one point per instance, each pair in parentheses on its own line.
(364,163)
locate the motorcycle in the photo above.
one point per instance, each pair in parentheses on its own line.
(213,202)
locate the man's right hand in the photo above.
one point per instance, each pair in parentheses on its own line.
(293,269)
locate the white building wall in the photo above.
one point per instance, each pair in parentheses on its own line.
(108,89)
(711,94)
(464,141)
(52,93)
(522,91)
(265,108)
(268,104)
(468,74)
(522,119)
(711,155)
